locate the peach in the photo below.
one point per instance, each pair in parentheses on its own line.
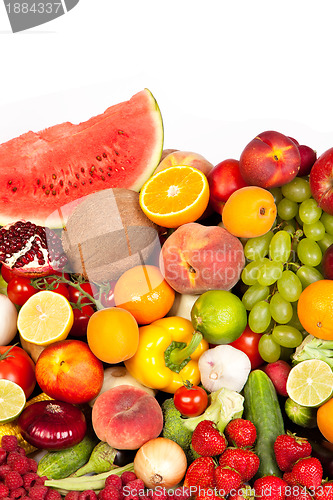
(185,158)
(126,417)
(197,258)
(270,160)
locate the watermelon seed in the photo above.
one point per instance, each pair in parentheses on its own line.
(77,176)
(14,189)
(105,155)
(54,176)
(54,192)
(43,186)
(103,178)
(38,182)
(99,158)
(51,186)
(10,182)
(47,192)
(75,185)
(61,183)
(116,152)
(82,169)
(66,190)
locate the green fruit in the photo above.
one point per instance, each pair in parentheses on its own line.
(220,316)
(304,416)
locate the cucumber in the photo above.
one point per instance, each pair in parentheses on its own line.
(62,463)
(261,406)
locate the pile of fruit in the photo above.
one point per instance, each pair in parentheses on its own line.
(166,324)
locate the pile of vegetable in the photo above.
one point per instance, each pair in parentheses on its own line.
(196,359)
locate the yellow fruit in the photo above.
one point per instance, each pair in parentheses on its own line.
(45,318)
(175,196)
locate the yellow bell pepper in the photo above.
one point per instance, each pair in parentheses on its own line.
(167,354)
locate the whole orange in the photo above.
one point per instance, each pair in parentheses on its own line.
(315,309)
(144,292)
(248,212)
(113,335)
(325,420)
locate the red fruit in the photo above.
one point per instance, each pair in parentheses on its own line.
(289,448)
(325,491)
(270,488)
(308,158)
(81,319)
(321,181)
(20,289)
(31,250)
(200,474)
(207,494)
(224,179)
(289,478)
(270,160)
(240,432)
(226,479)
(299,493)
(207,440)
(308,472)
(243,460)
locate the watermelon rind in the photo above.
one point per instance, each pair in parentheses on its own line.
(43,175)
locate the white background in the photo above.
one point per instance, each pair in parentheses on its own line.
(221,71)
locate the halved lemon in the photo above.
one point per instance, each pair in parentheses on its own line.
(46,317)
(175,196)
(310,383)
(12,400)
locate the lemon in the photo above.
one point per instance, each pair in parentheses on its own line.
(310,383)
(220,316)
(12,400)
(46,317)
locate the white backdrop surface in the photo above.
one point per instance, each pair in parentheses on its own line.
(221,71)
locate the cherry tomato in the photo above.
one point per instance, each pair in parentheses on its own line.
(19,290)
(107,298)
(81,318)
(75,294)
(17,366)
(57,287)
(7,273)
(191,401)
(248,343)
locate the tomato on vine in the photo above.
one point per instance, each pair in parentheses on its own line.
(17,366)
(190,400)
(20,289)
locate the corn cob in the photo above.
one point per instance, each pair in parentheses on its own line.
(12,429)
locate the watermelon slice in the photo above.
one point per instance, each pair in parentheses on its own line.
(40,173)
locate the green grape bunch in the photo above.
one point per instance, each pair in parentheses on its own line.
(280,264)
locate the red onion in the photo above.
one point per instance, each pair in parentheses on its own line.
(52,425)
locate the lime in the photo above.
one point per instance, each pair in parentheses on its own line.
(220,316)
(12,400)
(310,383)
(304,416)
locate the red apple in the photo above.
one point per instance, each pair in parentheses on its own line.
(278,372)
(270,160)
(68,370)
(224,179)
(321,181)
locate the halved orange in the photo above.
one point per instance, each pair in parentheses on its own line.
(175,196)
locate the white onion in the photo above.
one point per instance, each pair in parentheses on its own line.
(160,462)
(8,323)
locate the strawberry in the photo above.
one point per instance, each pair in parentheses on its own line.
(240,432)
(243,460)
(325,491)
(289,478)
(244,492)
(200,474)
(207,441)
(207,494)
(226,479)
(308,472)
(299,493)
(289,448)
(270,488)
